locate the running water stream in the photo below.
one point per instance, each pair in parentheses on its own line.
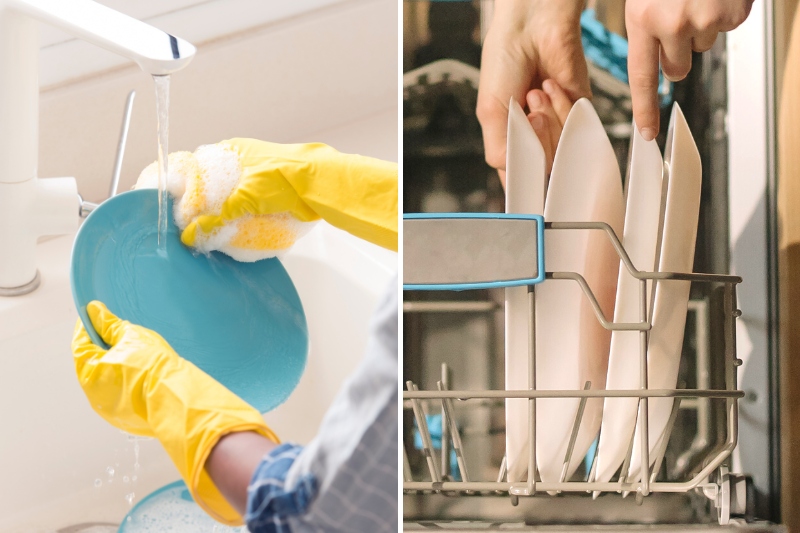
(162,116)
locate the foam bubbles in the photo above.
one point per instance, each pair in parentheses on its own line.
(172,510)
(200,182)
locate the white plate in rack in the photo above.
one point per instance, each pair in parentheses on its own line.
(681,215)
(525,190)
(640,239)
(571,345)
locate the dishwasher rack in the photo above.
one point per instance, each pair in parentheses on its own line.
(712,477)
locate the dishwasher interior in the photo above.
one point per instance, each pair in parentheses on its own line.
(453,341)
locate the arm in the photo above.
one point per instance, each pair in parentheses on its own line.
(232,462)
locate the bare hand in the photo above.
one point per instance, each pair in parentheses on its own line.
(667,31)
(528,42)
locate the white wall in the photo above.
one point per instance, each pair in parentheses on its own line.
(303,79)
(198,21)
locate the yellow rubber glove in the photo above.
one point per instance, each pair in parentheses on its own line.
(143,387)
(355,193)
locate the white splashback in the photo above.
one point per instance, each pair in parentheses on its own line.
(328,76)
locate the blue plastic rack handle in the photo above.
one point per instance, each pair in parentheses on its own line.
(488,284)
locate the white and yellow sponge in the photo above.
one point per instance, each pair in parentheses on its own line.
(199,183)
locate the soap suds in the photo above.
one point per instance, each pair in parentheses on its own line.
(199,183)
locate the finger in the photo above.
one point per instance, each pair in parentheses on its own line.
(545,124)
(108,326)
(676,57)
(643,52)
(541,126)
(562,103)
(704,41)
(540,104)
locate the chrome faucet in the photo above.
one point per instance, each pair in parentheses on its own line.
(31,207)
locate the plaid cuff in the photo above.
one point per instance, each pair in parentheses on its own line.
(269,504)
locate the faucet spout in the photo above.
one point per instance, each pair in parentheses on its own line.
(30,207)
(155,51)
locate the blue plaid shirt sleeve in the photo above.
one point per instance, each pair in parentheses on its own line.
(346,478)
(269,504)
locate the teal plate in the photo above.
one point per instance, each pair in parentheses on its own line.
(171,509)
(242,323)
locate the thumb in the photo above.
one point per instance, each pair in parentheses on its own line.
(83,349)
(107,324)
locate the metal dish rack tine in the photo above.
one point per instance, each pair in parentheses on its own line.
(502,472)
(445,456)
(644,439)
(447,404)
(661,451)
(612,235)
(532,467)
(598,311)
(626,464)
(407,475)
(593,471)
(623,255)
(427,444)
(576,426)
(643,422)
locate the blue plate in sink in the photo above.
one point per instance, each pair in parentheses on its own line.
(242,323)
(171,508)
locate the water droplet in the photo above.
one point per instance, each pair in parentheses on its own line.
(129,498)
(135,477)
(126,479)
(110,471)
(128,519)
(98,482)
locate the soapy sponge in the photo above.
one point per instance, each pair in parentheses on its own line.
(199,183)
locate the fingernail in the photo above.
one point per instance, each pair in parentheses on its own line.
(548,86)
(537,122)
(534,100)
(648,134)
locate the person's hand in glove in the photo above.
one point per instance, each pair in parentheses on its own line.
(141,386)
(253,199)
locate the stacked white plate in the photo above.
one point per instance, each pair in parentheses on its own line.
(572,347)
